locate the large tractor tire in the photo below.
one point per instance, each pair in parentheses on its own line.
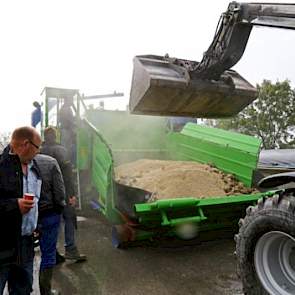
(265,247)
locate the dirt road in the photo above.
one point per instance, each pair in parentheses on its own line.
(204,269)
(201,269)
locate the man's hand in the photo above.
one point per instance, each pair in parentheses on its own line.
(25,205)
(72,201)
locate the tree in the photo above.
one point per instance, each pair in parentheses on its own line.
(4,140)
(270,117)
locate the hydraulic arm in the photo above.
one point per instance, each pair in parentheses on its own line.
(233,33)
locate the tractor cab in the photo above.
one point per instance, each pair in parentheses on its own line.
(57,103)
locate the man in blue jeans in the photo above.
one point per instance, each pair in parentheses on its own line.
(51,204)
(19,174)
(52,148)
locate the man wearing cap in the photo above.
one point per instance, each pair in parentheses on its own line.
(52,148)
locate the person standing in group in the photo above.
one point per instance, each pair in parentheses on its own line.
(19,174)
(52,148)
(51,205)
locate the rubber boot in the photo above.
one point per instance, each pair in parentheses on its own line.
(45,278)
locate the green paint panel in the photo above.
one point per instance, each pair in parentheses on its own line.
(101,168)
(230,152)
(235,140)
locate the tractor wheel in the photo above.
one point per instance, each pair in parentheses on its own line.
(265,247)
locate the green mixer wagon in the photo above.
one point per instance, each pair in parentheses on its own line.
(108,138)
(134,218)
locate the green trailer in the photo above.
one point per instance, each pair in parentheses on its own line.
(103,144)
(108,138)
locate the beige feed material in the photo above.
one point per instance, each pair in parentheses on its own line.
(176,179)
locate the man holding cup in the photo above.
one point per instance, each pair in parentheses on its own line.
(20,187)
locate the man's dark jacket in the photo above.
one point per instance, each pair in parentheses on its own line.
(59,152)
(11,188)
(52,199)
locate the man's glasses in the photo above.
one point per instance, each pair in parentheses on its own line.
(34,145)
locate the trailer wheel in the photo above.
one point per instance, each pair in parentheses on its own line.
(265,247)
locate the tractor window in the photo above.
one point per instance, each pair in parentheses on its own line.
(53,107)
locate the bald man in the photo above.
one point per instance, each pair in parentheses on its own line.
(18,216)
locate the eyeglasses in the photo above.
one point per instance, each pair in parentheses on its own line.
(34,145)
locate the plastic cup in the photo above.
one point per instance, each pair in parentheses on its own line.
(28,196)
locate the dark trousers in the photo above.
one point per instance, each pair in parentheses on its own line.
(49,226)
(70,220)
(19,276)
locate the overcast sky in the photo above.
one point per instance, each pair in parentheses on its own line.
(89,45)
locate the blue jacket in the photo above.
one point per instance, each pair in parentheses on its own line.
(36,117)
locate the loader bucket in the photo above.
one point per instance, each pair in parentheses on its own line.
(160,87)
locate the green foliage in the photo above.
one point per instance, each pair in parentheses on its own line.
(270,117)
